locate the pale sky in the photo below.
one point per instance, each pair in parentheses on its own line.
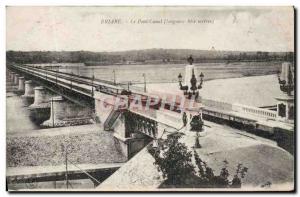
(80,28)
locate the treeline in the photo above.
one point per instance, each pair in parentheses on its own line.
(144,56)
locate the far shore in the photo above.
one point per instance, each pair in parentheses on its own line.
(183,62)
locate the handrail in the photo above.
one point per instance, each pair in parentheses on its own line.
(99,87)
(71,74)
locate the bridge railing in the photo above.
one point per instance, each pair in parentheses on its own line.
(243,109)
(72,74)
(53,78)
(100,85)
(260,112)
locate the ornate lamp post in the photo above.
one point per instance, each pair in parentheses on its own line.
(191,90)
(285,104)
(286,85)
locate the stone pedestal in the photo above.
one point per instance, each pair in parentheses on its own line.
(285,109)
(189,71)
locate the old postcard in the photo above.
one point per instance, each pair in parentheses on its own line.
(161,98)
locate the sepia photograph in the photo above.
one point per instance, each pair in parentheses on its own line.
(150,98)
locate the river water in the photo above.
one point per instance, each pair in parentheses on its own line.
(17,115)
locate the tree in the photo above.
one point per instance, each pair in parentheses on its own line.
(175,163)
(174,160)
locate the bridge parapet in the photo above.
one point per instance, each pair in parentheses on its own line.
(255,111)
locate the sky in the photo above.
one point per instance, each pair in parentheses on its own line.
(82,28)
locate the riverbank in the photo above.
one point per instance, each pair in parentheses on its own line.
(87,144)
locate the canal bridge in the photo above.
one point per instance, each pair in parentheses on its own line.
(132,126)
(84,100)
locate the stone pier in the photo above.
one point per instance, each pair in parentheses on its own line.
(64,113)
(41,98)
(28,96)
(40,109)
(10,79)
(11,76)
(21,87)
(113,116)
(129,139)
(8,74)
(16,79)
